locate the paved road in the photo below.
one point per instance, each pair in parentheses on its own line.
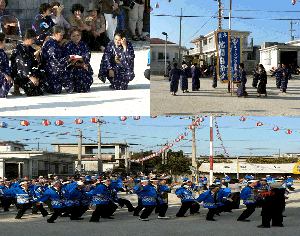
(126,224)
(101,100)
(209,101)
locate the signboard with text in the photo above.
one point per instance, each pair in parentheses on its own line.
(236,57)
(222,43)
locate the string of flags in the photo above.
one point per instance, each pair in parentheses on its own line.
(276,128)
(180,137)
(220,138)
(156,5)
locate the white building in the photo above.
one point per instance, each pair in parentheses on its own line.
(157,48)
(15,161)
(205,46)
(272,53)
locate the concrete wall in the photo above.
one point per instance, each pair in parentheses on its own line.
(26,10)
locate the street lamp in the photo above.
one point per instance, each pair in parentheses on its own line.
(164,33)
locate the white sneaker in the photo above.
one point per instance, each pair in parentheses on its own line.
(144,219)
(163,217)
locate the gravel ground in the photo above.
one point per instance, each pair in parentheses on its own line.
(209,101)
(126,224)
(100,100)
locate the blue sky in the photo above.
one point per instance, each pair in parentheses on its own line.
(238,137)
(263,29)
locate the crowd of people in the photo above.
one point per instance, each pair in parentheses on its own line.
(73,196)
(56,51)
(282,73)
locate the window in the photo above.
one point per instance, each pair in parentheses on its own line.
(160,56)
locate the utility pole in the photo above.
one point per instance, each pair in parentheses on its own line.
(166,154)
(292,37)
(180,38)
(126,156)
(100,166)
(142,160)
(166,43)
(229,48)
(219,15)
(193,146)
(79,168)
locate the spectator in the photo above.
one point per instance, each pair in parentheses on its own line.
(136,19)
(110,9)
(98,39)
(77,19)
(3,5)
(57,17)
(118,62)
(80,74)
(43,23)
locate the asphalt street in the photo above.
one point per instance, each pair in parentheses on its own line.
(126,224)
(209,101)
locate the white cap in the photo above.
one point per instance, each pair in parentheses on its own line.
(267,175)
(24,182)
(144,180)
(80,183)
(253,180)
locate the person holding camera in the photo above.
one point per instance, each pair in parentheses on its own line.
(117,63)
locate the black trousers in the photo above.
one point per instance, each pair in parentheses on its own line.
(6,204)
(211,212)
(138,208)
(104,211)
(22,208)
(36,208)
(147,211)
(48,203)
(194,208)
(57,213)
(77,211)
(127,203)
(246,213)
(271,214)
(162,209)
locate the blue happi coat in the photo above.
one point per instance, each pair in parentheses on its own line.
(21,196)
(160,189)
(136,190)
(79,79)
(248,196)
(185,195)
(42,25)
(4,70)
(175,75)
(55,65)
(78,197)
(123,71)
(57,200)
(184,79)
(101,190)
(148,195)
(209,201)
(37,192)
(289,181)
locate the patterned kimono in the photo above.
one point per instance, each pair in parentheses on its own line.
(124,71)
(285,79)
(78,79)
(279,75)
(255,78)
(175,75)
(184,79)
(4,70)
(241,91)
(24,65)
(262,76)
(42,25)
(55,65)
(215,78)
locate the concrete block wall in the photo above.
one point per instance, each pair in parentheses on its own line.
(26,10)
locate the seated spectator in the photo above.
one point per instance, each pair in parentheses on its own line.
(136,19)
(53,61)
(79,78)
(25,66)
(43,23)
(117,63)
(77,19)
(3,5)
(98,40)
(57,17)
(5,80)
